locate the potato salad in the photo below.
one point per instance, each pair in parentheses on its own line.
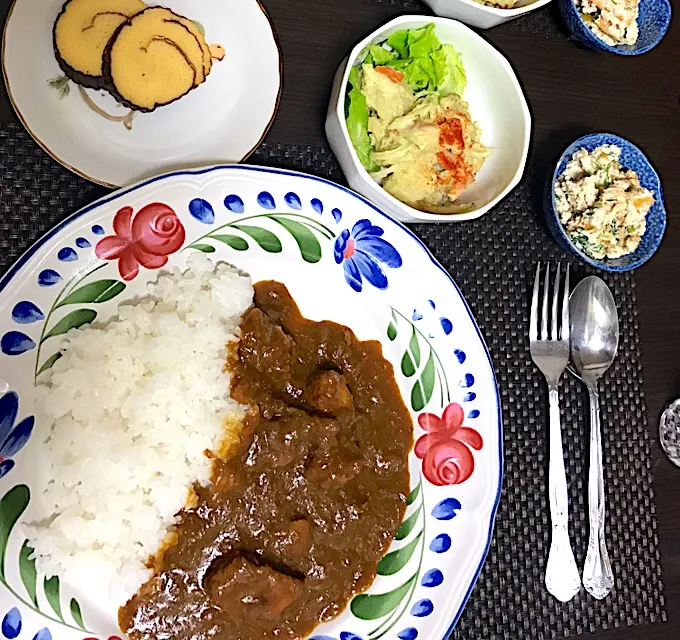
(602,205)
(612,21)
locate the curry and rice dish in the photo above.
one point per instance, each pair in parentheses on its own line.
(602,206)
(301,488)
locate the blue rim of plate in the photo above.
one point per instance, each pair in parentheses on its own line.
(21,261)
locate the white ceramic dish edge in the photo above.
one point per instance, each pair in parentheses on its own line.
(481,15)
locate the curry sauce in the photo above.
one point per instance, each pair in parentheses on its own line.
(298,517)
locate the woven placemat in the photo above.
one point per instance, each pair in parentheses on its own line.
(492,260)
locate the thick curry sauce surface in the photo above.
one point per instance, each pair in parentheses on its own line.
(299,515)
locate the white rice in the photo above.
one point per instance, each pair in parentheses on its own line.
(130,410)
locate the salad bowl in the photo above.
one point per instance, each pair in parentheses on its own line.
(496,103)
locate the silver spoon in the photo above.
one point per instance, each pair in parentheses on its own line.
(594,327)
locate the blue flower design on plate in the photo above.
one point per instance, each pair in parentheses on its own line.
(67,254)
(11,624)
(25,312)
(12,437)
(362,251)
(202,211)
(14,343)
(48,277)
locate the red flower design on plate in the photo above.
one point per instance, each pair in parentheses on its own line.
(445,448)
(149,239)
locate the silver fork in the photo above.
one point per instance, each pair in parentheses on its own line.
(549,345)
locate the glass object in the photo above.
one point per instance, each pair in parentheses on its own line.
(669,432)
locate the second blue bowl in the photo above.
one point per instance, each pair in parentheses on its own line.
(653,21)
(631,158)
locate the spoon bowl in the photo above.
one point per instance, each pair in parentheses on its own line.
(594,329)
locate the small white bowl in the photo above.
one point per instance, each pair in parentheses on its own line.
(496,103)
(481,15)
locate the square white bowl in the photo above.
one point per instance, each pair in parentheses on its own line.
(481,15)
(496,103)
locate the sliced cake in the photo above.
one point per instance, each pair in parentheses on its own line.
(81,33)
(155,58)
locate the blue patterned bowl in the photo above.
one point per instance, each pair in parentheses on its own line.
(653,20)
(631,158)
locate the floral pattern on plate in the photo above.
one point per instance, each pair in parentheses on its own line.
(343,260)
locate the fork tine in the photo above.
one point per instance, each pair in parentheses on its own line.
(565,305)
(533,322)
(546,293)
(554,335)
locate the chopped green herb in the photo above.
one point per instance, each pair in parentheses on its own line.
(631,228)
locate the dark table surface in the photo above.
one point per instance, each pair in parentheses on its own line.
(571,91)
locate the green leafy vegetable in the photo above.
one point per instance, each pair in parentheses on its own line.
(357,122)
(378,55)
(449,71)
(399,42)
(426,63)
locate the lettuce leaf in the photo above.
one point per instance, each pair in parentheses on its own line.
(377,55)
(357,122)
(426,63)
(399,42)
(449,71)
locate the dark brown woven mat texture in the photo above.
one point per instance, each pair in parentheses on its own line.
(493,261)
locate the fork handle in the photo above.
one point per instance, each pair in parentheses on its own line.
(597,571)
(561,575)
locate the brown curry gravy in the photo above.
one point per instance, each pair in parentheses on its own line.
(299,515)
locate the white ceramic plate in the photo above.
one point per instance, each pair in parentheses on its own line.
(223,120)
(326,236)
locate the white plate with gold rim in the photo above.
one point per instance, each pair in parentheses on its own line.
(223,120)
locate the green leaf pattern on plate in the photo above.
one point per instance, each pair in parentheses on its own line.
(94,293)
(407,526)
(52,593)
(372,607)
(28,573)
(389,606)
(304,231)
(76,614)
(395,561)
(72,320)
(12,506)
(427,377)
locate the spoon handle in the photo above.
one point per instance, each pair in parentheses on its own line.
(561,574)
(597,572)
